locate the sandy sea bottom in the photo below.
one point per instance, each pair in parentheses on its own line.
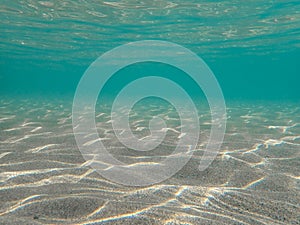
(45,180)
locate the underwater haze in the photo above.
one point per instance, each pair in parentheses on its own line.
(253,49)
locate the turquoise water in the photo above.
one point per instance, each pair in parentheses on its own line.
(253,49)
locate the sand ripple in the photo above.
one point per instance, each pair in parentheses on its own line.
(45,180)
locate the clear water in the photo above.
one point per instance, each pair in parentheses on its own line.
(253,48)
